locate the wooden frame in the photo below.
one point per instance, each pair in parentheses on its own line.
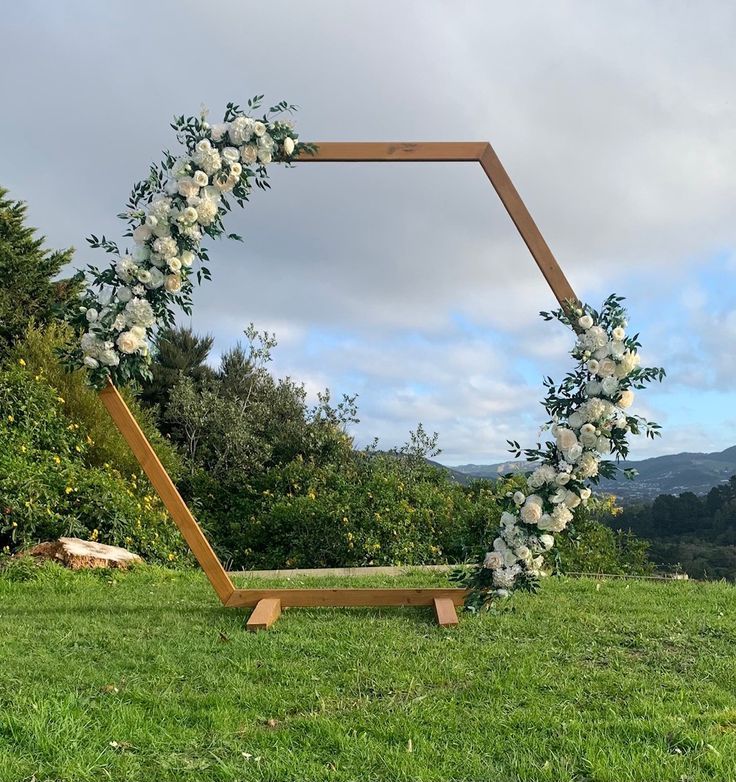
(268,603)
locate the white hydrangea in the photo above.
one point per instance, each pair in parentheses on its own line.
(139,312)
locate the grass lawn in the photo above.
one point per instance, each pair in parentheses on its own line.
(143,676)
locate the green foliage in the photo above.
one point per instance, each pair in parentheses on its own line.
(48,489)
(27,292)
(687,532)
(592,547)
(178,354)
(83,407)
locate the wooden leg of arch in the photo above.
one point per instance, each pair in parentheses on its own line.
(265,613)
(444,610)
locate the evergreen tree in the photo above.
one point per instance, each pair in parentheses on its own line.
(178,353)
(28,292)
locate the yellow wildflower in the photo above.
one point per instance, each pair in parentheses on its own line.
(57,460)
(95,534)
(171,557)
(10,419)
(21,362)
(60,400)
(68,490)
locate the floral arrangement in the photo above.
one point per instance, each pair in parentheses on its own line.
(183,199)
(588,419)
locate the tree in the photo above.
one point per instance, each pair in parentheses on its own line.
(178,354)
(28,292)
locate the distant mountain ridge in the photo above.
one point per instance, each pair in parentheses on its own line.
(671,474)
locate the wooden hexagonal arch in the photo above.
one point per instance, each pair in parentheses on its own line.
(268,602)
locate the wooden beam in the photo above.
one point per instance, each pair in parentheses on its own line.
(531,235)
(346,598)
(265,613)
(164,486)
(394,151)
(444,610)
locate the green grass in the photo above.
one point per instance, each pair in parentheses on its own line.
(145,677)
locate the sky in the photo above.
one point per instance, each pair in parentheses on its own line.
(407,283)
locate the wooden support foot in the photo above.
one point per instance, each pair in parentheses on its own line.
(265,613)
(444,609)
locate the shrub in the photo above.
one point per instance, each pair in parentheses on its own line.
(83,407)
(48,490)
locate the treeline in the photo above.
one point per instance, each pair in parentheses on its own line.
(694,534)
(274,480)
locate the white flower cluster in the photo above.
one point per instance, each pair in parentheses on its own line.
(557,487)
(169,230)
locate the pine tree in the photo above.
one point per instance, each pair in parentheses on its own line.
(28,291)
(178,353)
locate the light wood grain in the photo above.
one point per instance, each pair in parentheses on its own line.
(164,486)
(444,610)
(526,226)
(346,598)
(266,612)
(394,151)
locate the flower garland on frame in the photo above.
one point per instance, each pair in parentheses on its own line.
(183,199)
(588,418)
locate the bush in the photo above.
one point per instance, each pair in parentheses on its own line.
(83,407)
(48,490)
(364,509)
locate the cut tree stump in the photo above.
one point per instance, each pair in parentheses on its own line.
(265,613)
(79,554)
(444,610)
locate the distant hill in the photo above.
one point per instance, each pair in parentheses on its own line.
(673,474)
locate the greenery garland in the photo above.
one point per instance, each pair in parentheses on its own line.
(183,199)
(588,419)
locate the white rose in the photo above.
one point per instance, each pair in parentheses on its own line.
(616,348)
(236,170)
(200,179)
(625,399)
(558,496)
(165,246)
(585,322)
(249,154)
(609,386)
(589,439)
(585,494)
(575,420)
(531,512)
(593,366)
(288,146)
(157,278)
(119,323)
(603,444)
(607,367)
(587,429)
(188,187)
(572,500)
(144,275)
(174,264)
(523,553)
(561,516)
(519,498)
(259,128)
(265,156)
(124,294)
(91,315)
(574,453)
(172,283)
(138,332)
(566,439)
(127,342)
(187,258)
(618,334)
(231,154)
(493,560)
(562,478)
(508,519)
(547,541)
(142,234)
(91,363)
(109,357)
(219,130)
